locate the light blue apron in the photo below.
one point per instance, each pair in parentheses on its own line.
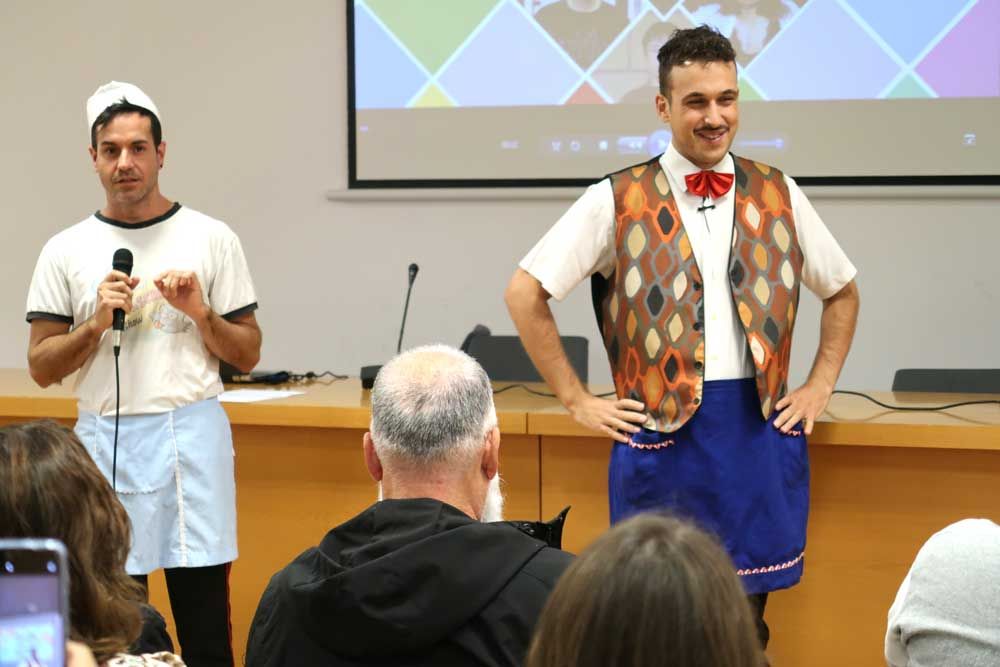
(175,479)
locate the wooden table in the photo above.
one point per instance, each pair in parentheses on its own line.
(882,483)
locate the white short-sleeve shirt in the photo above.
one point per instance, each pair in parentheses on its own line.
(164,363)
(582,242)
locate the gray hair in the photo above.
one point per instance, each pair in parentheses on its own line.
(430,405)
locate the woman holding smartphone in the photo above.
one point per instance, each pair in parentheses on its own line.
(51,488)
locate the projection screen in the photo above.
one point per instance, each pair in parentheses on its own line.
(560,92)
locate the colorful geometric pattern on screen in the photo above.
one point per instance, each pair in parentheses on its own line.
(651,309)
(443,53)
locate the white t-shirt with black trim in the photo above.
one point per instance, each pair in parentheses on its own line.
(164,363)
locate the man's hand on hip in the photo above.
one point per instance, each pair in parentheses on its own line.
(804,404)
(182,290)
(611,417)
(115,291)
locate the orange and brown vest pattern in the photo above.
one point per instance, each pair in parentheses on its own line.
(651,309)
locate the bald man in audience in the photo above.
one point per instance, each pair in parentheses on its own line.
(421,577)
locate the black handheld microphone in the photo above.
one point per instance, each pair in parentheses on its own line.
(409,288)
(122,261)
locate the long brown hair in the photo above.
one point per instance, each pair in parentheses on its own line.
(653,590)
(50,487)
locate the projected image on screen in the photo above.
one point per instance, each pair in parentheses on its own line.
(549,89)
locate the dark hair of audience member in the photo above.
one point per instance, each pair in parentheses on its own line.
(50,487)
(654,590)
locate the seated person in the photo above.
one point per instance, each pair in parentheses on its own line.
(418,578)
(947,609)
(50,487)
(653,590)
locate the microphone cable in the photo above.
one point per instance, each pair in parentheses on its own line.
(310,376)
(520,385)
(910,408)
(284,377)
(114,455)
(900,408)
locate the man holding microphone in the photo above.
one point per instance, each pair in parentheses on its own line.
(190,303)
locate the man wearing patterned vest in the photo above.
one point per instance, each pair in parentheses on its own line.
(696,260)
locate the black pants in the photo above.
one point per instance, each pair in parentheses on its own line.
(199,599)
(757,603)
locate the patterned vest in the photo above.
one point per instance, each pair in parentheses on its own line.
(651,310)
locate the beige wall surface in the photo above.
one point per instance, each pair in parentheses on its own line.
(253,99)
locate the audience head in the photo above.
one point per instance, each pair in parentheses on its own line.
(654,590)
(434,431)
(946,609)
(50,487)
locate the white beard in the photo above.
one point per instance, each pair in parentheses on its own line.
(493,505)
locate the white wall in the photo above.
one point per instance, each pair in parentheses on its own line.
(254,108)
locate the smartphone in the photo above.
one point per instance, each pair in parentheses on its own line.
(34,603)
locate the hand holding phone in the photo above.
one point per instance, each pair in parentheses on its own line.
(34,604)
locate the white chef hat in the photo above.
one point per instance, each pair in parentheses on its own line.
(114,92)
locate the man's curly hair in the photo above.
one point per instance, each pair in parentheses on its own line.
(703,44)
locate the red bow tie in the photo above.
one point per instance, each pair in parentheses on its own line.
(708,183)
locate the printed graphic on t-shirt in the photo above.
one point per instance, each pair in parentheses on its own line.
(150,311)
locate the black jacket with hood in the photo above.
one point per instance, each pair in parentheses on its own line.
(407,583)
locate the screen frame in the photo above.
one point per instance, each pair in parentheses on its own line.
(355,183)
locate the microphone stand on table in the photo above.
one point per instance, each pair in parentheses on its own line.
(368,373)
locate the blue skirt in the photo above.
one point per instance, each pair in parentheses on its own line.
(731,472)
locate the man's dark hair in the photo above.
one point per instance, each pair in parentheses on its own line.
(703,44)
(123,107)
